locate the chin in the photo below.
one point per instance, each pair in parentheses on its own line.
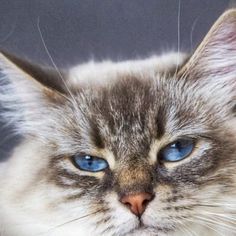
(144,230)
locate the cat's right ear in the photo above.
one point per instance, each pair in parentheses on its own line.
(216,54)
(28,92)
(212,67)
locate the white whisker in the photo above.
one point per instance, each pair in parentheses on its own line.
(74,102)
(191,32)
(178,37)
(213,221)
(203,223)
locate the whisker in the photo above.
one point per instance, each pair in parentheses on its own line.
(203,223)
(178,37)
(221,216)
(189,231)
(218,204)
(214,222)
(74,103)
(79,218)
(192,30)
(71,221)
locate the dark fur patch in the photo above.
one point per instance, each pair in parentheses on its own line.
(234,110)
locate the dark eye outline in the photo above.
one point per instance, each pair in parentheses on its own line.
(93,157)
(192,143)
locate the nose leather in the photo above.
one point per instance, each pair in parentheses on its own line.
(137,203)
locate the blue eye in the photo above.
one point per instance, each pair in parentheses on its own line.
(90,163)
(177,150)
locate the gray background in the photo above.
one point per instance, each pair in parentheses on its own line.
(78,30)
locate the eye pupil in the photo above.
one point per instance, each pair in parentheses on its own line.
(90,163)
(177,150)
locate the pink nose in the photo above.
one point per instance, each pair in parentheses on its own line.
(137,203)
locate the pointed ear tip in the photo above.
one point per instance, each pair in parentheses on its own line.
(4,58)
(226,21)
(228,14)
(3,54)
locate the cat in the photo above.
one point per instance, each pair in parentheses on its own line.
(140,147)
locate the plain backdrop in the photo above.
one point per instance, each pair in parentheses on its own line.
(76,31)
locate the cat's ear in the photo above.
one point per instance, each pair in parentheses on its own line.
(217,52)
(10,65)
(213,64)
(27,92)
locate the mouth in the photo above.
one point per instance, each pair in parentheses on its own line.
(141,224)
(150,229)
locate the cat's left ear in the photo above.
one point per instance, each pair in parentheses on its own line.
(13,67)
(213,64)
(28,93)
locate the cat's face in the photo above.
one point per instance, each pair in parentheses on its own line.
(150,153)
(130,125)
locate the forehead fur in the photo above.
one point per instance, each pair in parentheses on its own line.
(137,107)
(101,73)
(115,98)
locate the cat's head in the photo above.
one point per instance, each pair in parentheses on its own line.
(127,148)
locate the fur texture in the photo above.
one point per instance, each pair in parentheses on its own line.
(126,113)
